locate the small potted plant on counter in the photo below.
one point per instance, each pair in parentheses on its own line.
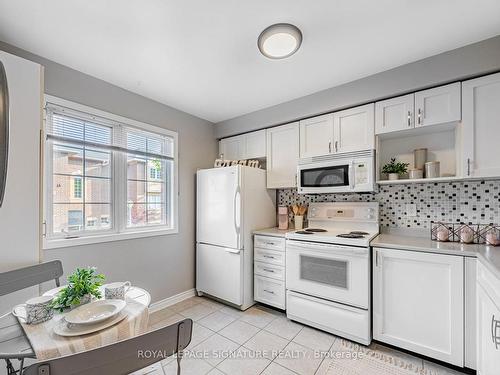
(83,284)
(395,169)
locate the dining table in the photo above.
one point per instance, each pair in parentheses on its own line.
(19,341)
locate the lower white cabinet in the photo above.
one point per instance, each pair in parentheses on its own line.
(269,271)
(488,322)
(418,303)
(269,291)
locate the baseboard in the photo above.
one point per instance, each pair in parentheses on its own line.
(172,300)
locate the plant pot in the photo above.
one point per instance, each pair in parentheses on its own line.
(393,176)
(83,300)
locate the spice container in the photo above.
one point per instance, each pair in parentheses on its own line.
(432,169)
(282,217)
(415,173)
(419,158)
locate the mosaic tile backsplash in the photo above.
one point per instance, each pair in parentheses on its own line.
(471,202)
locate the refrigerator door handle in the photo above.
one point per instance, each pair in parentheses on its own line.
(4,130)
(237,211)
(233,251)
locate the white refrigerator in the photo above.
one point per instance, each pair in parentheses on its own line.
(232,202)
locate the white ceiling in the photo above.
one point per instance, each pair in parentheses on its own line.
(201,56)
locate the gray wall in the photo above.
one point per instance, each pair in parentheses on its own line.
(468,61)
(164,265)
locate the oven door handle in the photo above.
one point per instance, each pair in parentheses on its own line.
(332,249)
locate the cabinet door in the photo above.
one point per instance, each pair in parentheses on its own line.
(232,148)
(354,129)
(255,145)
(481,126)
(418,303)
(488,334)
(394,114)
(316,136)
(282,156)
(438,105)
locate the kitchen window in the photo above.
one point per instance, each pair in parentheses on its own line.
(106,177)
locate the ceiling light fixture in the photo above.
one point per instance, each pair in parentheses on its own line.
(279,41)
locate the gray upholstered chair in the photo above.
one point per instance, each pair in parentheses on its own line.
(13,342)
(122,357)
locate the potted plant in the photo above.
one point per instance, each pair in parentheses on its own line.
(394,169)
(83,284)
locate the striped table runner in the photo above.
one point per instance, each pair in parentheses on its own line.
(46,344)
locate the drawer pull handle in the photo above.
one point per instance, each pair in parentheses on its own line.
(268,291)
(268,270)
(270,243)
(268,256)
(495,325)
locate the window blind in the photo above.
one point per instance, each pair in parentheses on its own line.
(79,128)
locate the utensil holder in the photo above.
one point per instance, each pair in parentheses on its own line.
(299,222)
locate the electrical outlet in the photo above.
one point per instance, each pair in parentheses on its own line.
(411,210)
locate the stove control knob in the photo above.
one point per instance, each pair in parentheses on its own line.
(369,217)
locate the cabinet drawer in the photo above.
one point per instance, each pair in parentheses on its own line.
(269,291)
(269,270)
(269,256)
(268,242)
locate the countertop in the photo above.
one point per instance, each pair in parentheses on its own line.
(273,232)
(416,240)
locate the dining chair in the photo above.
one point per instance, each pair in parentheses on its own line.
(123,357)
(13,342)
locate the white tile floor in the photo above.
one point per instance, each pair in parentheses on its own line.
(256,341)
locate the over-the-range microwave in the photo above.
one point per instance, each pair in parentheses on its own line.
(341,173)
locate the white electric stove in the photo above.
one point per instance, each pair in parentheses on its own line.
(328,274)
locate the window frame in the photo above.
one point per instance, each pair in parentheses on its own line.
(118,214)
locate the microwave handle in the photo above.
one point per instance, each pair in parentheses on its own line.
(351,175)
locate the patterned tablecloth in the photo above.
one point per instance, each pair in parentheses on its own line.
(46,344)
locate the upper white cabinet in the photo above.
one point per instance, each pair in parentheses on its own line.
(232,148)
(282,156)
(481,126)
(316,136)
(247,146)
(488,322)
(435,106)
(353,129)
(343,131)
(418,303)
(255,145)
(438,105)
(394,114)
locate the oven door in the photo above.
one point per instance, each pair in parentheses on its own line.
(332,272)
(324,177)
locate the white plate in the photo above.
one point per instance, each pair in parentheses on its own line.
(63,328)
(95,312)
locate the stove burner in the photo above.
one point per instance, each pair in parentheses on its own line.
(303,232)
(350,235)
(315,230)
(359,232)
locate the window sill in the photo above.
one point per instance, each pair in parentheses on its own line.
(112,237)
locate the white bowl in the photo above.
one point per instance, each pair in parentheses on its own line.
(95,312)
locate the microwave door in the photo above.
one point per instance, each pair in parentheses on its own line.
(322,178)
